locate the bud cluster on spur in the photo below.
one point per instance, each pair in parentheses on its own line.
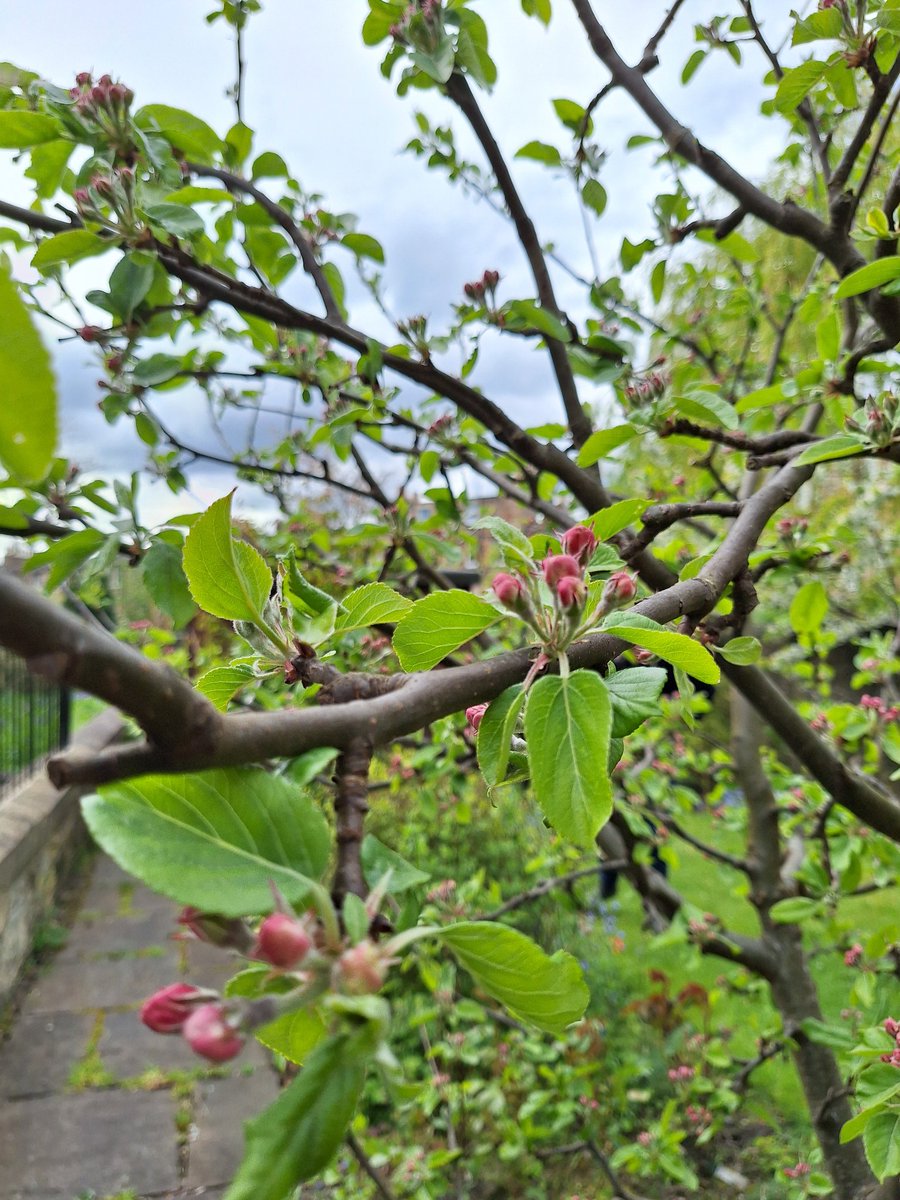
(301,949)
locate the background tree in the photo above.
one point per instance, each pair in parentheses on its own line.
(752,430)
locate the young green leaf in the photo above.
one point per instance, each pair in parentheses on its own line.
(378,859)
(28,407)
(514,545)
(294,1138)
(873,275)
(437,625)
(634,693)
(371,604)
(675,648)
(567,726)
(808,608)
(221,683)
(227,578)
(881,1139)
(216,840)
(20,129)
(70,247)
(165,580)
(495,734)
(741,651)
(839,445)
(609,521)
(603,442)
(549,993)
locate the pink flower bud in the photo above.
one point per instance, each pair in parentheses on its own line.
(168,1009)
(508,589)
(853,955)
(360,970)
(490,279)
(475,713)
(84,79)
(102,185)
(91,333)
(81,196)
(892,1027)
(619,589)
(558,566)
(579,541)
(209,1032)
(282,940)
(571,591)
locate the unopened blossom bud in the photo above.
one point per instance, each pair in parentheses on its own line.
(508,589)
(282,940)
(892,1027)
(168,1009)
(558,566)
(579,541)
(208,1031)
(360,970)
(102,185)
(571,591)
(91,333)
(490,279)
(619,589)
(84,79)
(81,196)
(853,955)
(119,93)
(212,927)
(475,713)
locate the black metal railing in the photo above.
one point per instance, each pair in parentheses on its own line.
(34,720)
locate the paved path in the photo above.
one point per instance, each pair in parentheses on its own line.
(93,1106)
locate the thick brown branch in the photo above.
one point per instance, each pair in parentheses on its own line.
(351,803)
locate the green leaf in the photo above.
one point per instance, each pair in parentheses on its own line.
(227,578)
(185,131)
(538,8)
(303,769)
(130,282)
(609,521)
(853,1128)
(514,545)
(809,608)
(838,1037)
(177,219)
(221,683)
(158,368)
(549,993)
(294,1035)
(741,651)
(603,442)
(634,694)
(19,129)
(794,910)
(540,152)
(371,604)
(294,1138)
(378,859)
(165,580)
(216,840)
(828,330)
(528,314)
(708,409)
(675,648)
(594,195)
(568,723)
(495,734)
(796,83)
(658,280)
(363,246)
(824,24)
(28,390)
(66,556)
(873,275)
(840,445)
(762,398)
(70,247)
(307,596)
(881,1138)
(437,625)
(690,67)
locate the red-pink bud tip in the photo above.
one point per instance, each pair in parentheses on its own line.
(571,591)
(508,589)
(283,941)
(620,587)
(361,969)
(579,541)
(209,1032)
(558,566)
(475,713)
(167,1010)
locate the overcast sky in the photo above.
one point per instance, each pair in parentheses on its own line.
(315,94)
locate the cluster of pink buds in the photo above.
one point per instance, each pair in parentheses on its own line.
(483,289)
(115,191)
(892,1029)
(651,387)
(802,1168)
(885,712)
(698,1116)
(206,1026)
(474,715)
(681,1074)
(853,956)
(101,110)
(91,97)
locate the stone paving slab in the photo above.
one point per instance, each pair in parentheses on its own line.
(73,987)
(107,937)
(55,1147)
(129,1048)
(217,1142)
(41,1052)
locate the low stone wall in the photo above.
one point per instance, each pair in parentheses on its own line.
(41,836)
